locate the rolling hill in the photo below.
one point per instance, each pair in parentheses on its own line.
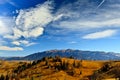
(57,68)
(50,68)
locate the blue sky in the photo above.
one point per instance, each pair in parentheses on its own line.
(30,26)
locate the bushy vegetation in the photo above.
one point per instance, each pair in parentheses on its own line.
(64,65)
(52,63)
(108,69)
(54,67)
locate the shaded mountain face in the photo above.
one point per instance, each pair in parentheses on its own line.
(77,54)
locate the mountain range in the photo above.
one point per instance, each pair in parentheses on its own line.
(77,54)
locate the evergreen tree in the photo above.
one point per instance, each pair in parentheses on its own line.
(46,63)
(2,77)
(34,63)
(71,57)
(65,65)
(7,77)
(74,64)
(78,65)
(32,78)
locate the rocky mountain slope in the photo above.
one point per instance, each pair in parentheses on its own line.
(77,54)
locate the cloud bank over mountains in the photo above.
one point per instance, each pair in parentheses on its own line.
(96,20)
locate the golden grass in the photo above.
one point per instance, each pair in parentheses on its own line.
(40,72)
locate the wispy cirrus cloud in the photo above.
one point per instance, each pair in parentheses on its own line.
(101,3)
(23,42)
(73,42)
(6,48)
(89,18)
(8,1)
(101,34)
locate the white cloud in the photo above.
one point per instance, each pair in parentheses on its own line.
(33,33)
(30,22)
(32,43)
(36,32)
(102,34)
(101,3)
(72,42)
(12,3)
(23,42)
(27,43)
(85,24)
(8,1)
(58,17)
(6,48)
(16,43)
(3,28)
(75,18)
(5,25)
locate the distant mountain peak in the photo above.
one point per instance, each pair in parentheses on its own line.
(77,54)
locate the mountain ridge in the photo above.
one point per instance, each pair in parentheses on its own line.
(77,54)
